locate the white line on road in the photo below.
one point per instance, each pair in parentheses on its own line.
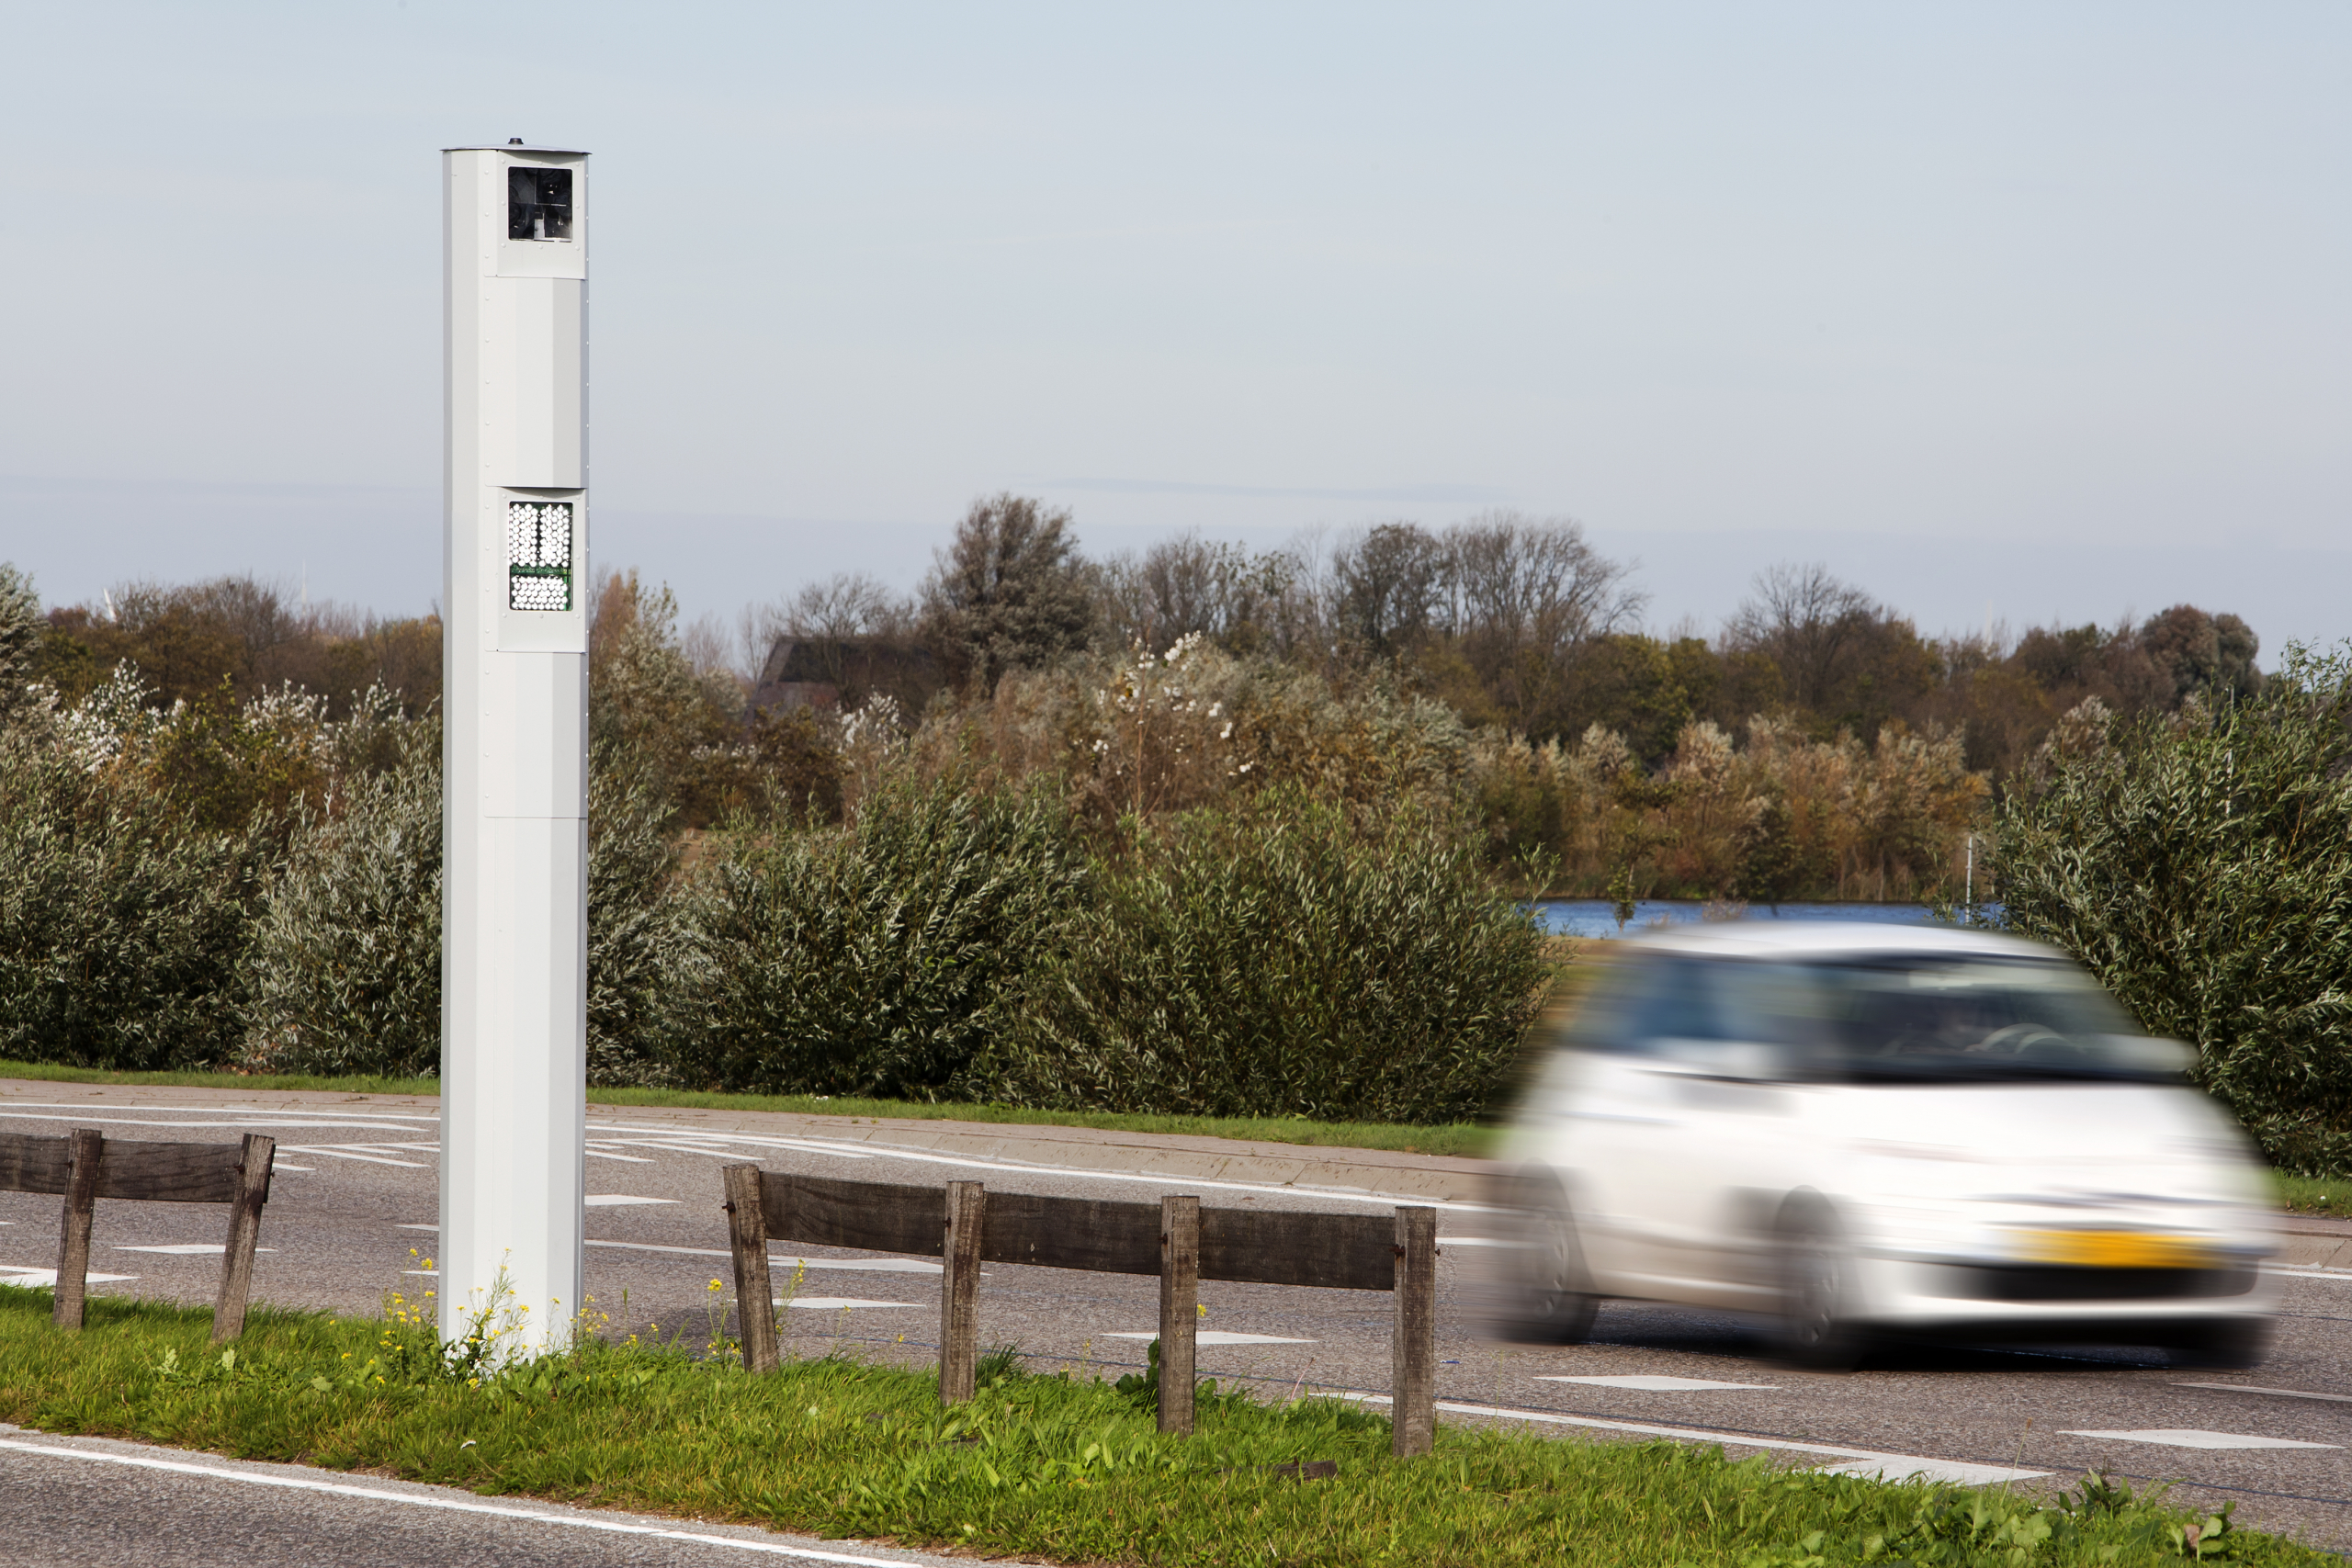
(452,1505)
(332,1152)
(1217,1337)
(1173,1183)
(2272,1393)
(838,1304)
(191,1248)
(35,1279)
(618,1200)
(777,1260)
(1896,1467)
(1656,1382)
(2192,1438)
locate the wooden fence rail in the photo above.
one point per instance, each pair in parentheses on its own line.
(965,1225)
(84,1168)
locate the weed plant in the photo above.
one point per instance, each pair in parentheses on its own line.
(1061,1467)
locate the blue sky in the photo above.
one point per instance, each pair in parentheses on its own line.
(2014,310)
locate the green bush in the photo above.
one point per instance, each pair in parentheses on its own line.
(639,931)
(1270,957)
(345,966)
(2200,865)
(120,922)
(879,959)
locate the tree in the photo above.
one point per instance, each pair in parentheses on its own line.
(20,636)
(1390,587)
(1527,596)
(2200,865)
(1010,593)
(1843,657)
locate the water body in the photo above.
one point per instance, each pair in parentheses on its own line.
(1597,917)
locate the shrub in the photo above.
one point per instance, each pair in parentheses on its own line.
(638,928)
(120,921)
(2200,865)
(1269,957)
(345,966)
(878,959)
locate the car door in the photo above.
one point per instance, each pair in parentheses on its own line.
(1631,1138)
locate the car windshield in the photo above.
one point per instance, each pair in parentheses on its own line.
(1975,1019)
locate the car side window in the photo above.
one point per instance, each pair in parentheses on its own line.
(1604,1016)
(1645,1001)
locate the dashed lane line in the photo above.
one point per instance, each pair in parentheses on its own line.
(2195,1438)
(330,1152)
(2272,1393)
(1860,1462)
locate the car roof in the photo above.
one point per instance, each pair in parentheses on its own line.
(1834,938)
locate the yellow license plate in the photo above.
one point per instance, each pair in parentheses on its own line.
(2114,1249)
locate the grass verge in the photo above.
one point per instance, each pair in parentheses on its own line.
(1063,1468)
(1461,1138)
(2329,1195)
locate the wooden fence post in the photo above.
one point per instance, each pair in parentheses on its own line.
(1180,1291)
(959,1292)
(747,1234)
(88,1151)
(258,1158)
(1413,1392)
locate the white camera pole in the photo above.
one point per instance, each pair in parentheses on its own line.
(514,746)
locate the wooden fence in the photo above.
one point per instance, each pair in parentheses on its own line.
(84,1168)
(965,1225)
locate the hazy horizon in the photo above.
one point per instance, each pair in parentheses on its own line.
(2011,311)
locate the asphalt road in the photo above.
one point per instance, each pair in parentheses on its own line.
(353,1207)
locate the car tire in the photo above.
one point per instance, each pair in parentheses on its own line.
(1553,1299)
(1816,1327)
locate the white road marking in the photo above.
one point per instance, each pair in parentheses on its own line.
(34,1279)
(435,1229)
(1172,1183)
(837,1304)
(277,1165)
(191,1248)
(777,1260)
(1658,1384)
(596,1153)
(2308,1274)
(2272,1393)
(1219,1337)
(1473,1241)
(1955,1472)
(453,1504)
(2191,1437)
(82,1114)
(1963,1473)
(339,1154)
(618,1200)
(697,1144)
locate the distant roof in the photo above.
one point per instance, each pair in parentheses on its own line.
(1822,939)
(511,147)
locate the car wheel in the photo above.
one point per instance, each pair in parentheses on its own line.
(1817,1328)
(1556,1303)
(2229,1344)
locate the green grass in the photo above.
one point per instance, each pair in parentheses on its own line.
(2315,1194)
(1059,1467)
(1458,1138)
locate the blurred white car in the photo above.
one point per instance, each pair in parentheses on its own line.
(1869,1130)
